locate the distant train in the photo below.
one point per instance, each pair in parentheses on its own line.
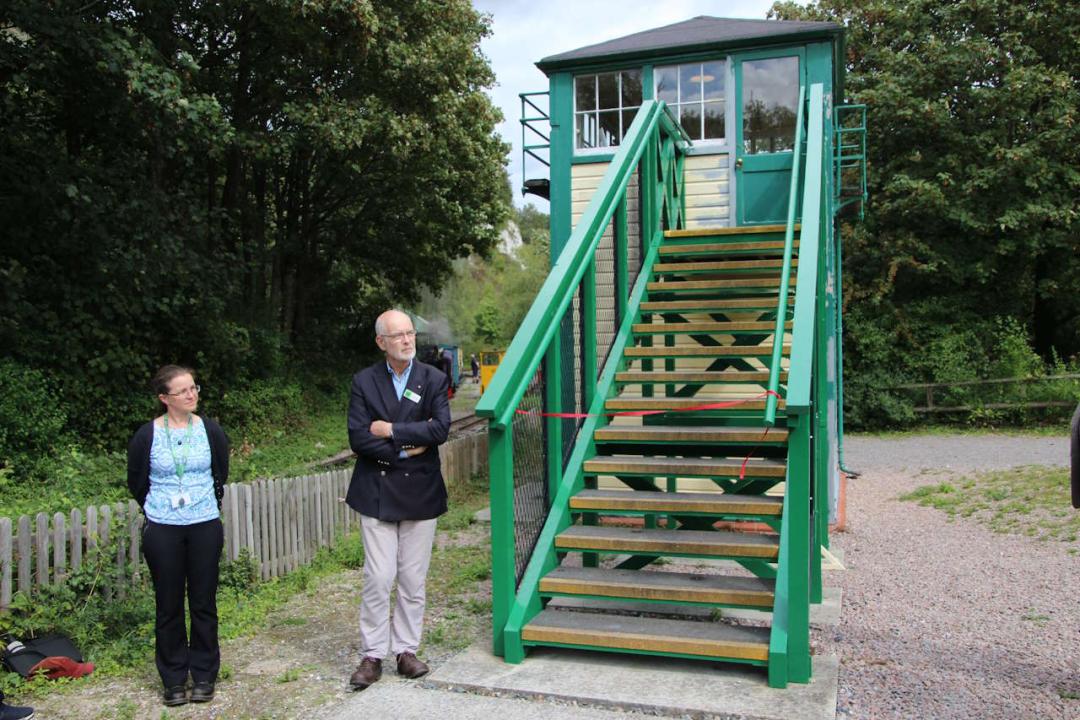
(489,361)
(445,357)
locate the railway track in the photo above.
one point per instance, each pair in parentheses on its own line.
(459,427)
(466,425)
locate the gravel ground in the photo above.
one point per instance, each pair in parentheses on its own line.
(954,452)
(946,619)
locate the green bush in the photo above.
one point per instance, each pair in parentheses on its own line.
(32,419)
(264,407)
(349,551)
(869,375)
(1011,354)
(241,574)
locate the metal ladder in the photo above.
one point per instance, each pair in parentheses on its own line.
(850,157)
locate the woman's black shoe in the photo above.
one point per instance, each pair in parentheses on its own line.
(175,695)
(202,692)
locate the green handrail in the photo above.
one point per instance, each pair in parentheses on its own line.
(789,646)
(785,271)
(802,341)
(525,353)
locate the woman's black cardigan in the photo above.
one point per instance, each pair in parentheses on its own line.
(139,460)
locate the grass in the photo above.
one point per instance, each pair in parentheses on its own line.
(1032,501)
(1033,616)
(459,607)
(84,478)
(291,454)
(463,609)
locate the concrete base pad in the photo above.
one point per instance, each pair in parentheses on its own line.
(655,685)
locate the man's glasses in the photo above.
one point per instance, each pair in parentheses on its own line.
(399,336)
(193,390)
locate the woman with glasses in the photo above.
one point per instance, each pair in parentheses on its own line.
(177,468)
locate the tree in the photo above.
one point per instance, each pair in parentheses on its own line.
(974,172)
(233,183)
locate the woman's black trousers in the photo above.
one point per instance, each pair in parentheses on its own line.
(183,559)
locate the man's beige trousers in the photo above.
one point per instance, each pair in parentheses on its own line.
(401,551)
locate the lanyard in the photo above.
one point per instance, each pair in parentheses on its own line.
(179,466)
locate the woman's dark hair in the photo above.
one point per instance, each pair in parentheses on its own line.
(165,374)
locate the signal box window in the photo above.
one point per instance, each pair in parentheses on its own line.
(695,93)
(604,107)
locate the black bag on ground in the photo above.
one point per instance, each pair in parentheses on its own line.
(20,657)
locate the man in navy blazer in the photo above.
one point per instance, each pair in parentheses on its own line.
(398,416)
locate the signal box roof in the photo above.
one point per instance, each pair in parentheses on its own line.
(699,33)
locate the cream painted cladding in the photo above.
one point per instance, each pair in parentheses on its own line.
(707,191)
(584,181)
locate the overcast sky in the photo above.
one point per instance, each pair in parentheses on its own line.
(523,32)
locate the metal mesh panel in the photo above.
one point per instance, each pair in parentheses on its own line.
(531,500)
(570,330)
(606,283)
(635,250)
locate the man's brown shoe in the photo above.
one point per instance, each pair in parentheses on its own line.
(369,672)
(410,666)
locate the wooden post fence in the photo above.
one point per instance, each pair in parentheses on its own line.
(281,523)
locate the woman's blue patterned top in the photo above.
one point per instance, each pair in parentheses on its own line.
(198,483)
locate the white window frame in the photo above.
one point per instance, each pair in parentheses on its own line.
(705,144)
(595,111)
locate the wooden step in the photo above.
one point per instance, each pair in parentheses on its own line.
(705,305)
(696,377)
(761,247)
(727,266)
(660,586)
(726,231)
(745,402)
(694,543)
(706,351)
(684,434)
(717,641)
(684,467)
(702,285)
(716,503)
(705,328)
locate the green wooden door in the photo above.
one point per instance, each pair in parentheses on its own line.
(766,96)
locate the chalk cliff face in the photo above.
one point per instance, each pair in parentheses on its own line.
(510,239)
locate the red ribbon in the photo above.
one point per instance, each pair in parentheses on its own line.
(742,469)
(691,408)
(641,413)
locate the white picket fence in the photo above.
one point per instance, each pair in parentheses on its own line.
(282,524)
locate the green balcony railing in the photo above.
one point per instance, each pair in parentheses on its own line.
(561,345)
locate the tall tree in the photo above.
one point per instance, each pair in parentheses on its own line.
(220,182)
(974,171)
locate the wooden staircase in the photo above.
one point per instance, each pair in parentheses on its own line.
(693,489)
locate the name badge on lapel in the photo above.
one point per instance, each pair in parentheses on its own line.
(411,395)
